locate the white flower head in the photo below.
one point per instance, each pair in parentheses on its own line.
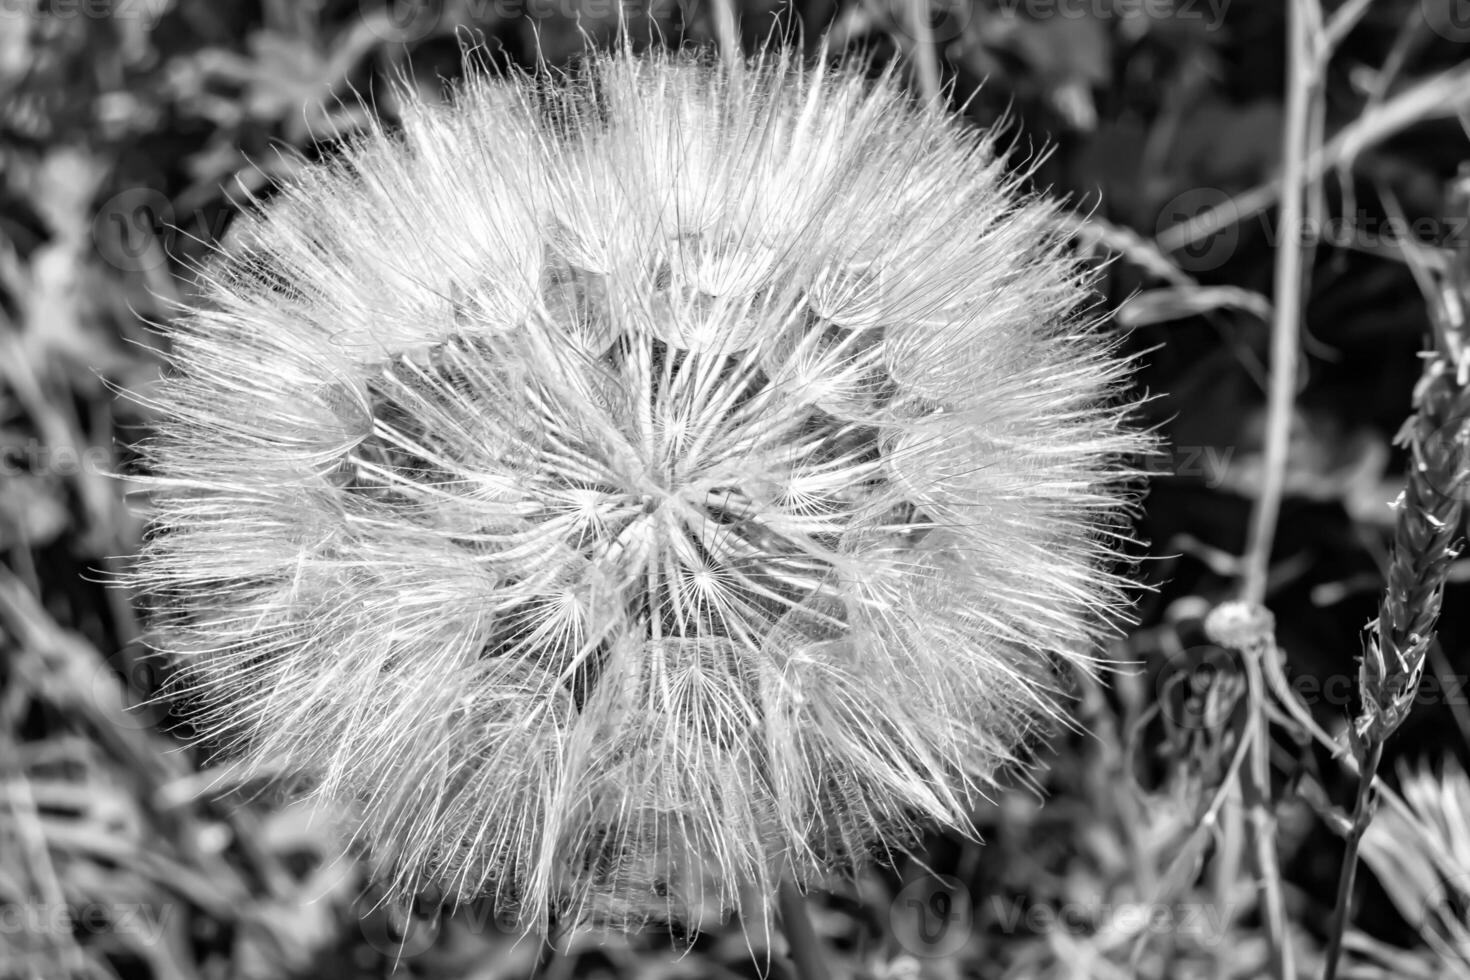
(628,492)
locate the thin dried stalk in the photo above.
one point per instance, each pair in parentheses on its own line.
(926,64)
(1248,625)
(727,30)
(801,937)
(1440,96)
(1249,628)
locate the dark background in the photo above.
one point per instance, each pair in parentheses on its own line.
(130,130)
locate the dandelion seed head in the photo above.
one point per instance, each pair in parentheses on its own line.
(628,492)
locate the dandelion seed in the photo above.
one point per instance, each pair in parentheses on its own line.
(629,493)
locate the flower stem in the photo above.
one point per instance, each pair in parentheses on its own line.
(1287,311)
(1362,816)
(1291,261)
(1251,629)
(727,30)
(926,63)
(1256,794)
(806,948)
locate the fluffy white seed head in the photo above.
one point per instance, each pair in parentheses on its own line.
(631,491)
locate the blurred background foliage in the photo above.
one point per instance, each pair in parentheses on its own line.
(130,130)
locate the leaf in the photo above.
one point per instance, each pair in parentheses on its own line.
(1179,302)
